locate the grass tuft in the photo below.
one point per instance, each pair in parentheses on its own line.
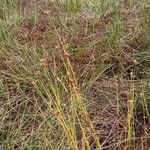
(74,75)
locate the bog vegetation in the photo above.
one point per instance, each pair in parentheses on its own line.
(74,75)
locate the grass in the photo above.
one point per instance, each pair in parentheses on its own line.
(74,75)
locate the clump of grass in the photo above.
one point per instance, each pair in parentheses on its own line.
(74,75)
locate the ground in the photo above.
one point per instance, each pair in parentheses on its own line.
(74,75)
